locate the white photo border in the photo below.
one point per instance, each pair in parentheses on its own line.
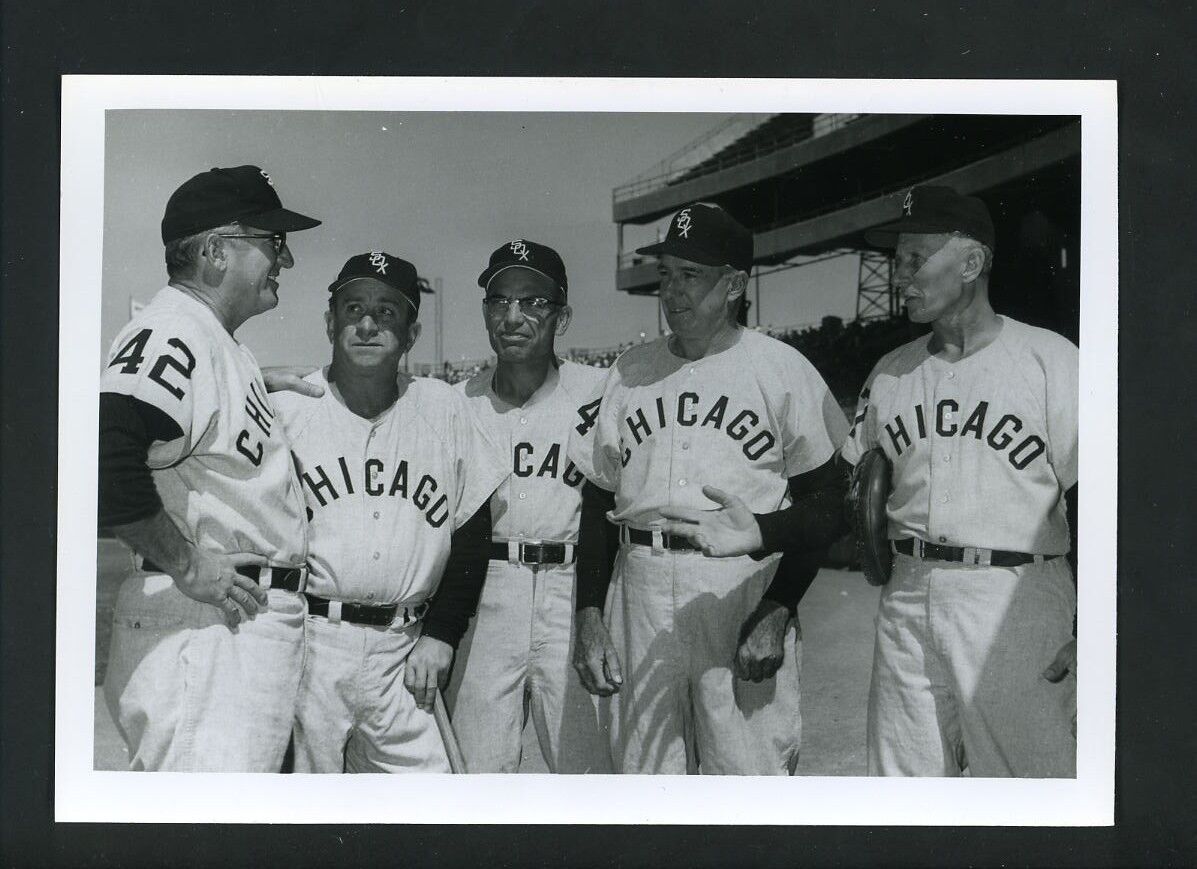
(84,794)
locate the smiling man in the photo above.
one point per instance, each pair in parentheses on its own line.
(515,660)
(196,476)
(975,658)
(394,470)
(699,653)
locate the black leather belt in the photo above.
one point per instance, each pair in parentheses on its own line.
(966,554)
(285,578)
(379,616)
(645,538)
(534,553)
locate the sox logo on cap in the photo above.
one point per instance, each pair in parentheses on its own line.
(520,249)
(379,260)
(908,202)
(683,223)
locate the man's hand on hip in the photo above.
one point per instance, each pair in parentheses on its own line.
(214,580)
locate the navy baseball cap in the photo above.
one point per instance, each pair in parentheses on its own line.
(384,268)
(523,254)
(221,196)
(706,234)
(931,208)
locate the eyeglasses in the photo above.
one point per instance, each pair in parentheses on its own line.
(278,238)
(530,306)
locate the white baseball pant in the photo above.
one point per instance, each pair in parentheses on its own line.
(190,695)
(675,619)
(515,661)
(957,671)
(354,713)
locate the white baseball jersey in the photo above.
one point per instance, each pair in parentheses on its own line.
(542,498)
(384,495)
(228,483)
(982,448)
(744,420)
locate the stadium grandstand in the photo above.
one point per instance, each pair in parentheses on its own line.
(809,185)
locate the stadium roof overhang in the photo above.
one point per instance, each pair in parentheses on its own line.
(844,227)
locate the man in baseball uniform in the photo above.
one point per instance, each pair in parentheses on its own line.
(699,654)
(394,470)
(196,476)
(516,658)
(979,421)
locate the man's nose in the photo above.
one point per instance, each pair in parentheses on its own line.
(512,313)
(285,258)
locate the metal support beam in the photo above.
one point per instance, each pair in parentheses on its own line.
(875,296)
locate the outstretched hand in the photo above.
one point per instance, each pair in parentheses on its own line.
(730,529)
(291,377)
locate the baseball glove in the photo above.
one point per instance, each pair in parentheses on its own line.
(867,493)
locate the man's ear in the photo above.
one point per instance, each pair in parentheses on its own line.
(413,334)
(215,251)
(974,262)
(563,318)
(738,285)
(329,328)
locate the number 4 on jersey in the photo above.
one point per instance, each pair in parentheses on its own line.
(132,355)
(589,413)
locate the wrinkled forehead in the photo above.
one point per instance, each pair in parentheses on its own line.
(371,291)
(518,282)
(671,262)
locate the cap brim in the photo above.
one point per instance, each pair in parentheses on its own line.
(280,220)
(487,276)
(682,250)
(887,234)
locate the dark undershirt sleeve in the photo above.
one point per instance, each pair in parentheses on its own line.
(815,519)
(128,427)
(803,531)
(456,600)
(795,573)
(597,544)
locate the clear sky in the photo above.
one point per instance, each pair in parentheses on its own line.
(441,189)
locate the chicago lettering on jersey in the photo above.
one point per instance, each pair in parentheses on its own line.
(692,411)
(258,409)
(997,430)
(526,464)
(375,479)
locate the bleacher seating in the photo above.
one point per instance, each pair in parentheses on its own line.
(777,132)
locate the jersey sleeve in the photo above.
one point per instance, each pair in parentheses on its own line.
(862,435)
(480,463)
(1062,374)
(812,424)
(160,361)
(594,435)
